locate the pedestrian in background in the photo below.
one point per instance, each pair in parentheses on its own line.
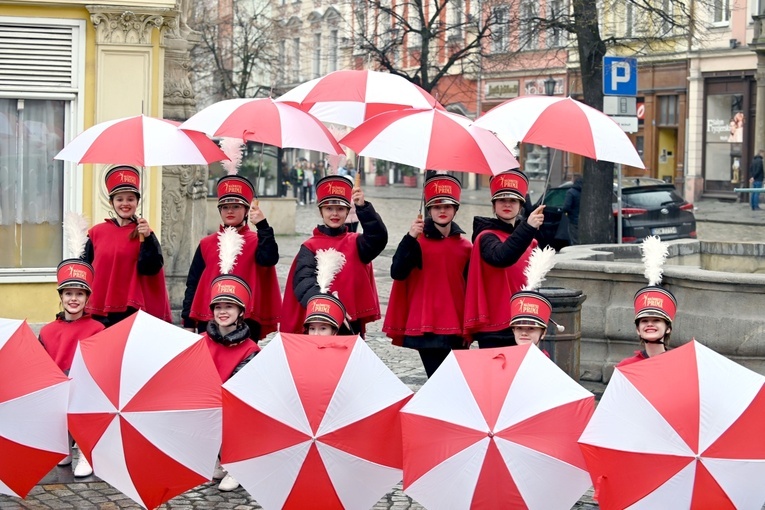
(308,181)
(571,208)
(755,179)
(296,178)
(429,271)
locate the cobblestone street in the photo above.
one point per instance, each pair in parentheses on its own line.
(398,207)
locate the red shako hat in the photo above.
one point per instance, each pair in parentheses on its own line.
(655,301)
(334,190)
(324,308)
(122,178)
(441,190)
(509,184)
(228,288)
(74,274)
(235,189)
(529,306)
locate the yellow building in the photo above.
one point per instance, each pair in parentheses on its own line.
(66,65)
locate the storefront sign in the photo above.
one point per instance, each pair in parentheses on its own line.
(502,89)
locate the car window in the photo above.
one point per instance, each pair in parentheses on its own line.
(555,197)
(651,198)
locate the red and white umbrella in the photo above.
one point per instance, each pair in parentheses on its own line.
(432,139)
(141,141)
(679,430)
(264,120)
(562,123)
(33,398)
(496,428)
(351,97)
(145,408)
(314,419)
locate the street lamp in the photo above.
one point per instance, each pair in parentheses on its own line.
(550,86)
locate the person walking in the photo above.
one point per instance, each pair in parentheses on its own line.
(308,181)
(755,179)
(571,208)
(296,179)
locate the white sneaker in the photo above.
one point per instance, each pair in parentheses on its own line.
(228,483)
(219,471)
(65,461)
(302,203)
(83,467)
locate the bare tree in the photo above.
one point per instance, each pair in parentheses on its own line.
(236,50)
(423,41)
(636,27)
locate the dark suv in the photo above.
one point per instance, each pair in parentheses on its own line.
(649,207)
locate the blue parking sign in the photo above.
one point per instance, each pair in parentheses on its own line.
(620,76)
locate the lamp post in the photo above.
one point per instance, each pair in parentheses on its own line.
(549,91)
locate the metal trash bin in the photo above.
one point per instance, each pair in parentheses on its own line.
(564,347)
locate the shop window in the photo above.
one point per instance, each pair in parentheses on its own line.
(667,111)
(725,132)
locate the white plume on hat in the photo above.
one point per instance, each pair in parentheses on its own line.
(76,234)
(232,147)
(654,255)
(328,263)
(230,244)
(541,262)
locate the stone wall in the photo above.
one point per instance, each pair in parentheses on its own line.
(723,310)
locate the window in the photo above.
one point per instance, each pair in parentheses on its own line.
(41,69)
(629,20)
(332,64)
(556,36)
(721,11)
(316,55)
(668,11)
(529,38)
(296,59)
(282,61)
(667,111)
(455,19)
(500,31)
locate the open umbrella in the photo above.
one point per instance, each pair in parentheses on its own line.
(433,139)
(496,428)
(264,120)
(562,123)
(145,408)
(680,430)
(314,419)
(141,141)
(33,397)
(350,97)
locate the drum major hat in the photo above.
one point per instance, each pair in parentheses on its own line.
(123,178)
(74,274)
(235,189)
(325,308)
(228,288)
(442,190)
(334,190)
(509,184)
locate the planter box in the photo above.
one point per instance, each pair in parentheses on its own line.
(410,181)
(381,180)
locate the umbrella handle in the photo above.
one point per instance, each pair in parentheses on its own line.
(419,217)
(140,238)
(357,180)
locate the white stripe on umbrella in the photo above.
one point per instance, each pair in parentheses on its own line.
(348,471)
(364,388)
(678,488)
(276,377)
(604,146)
(156,427)
(86,396)
(271,476)
(142,339)
(525,465)
(723,396)
(29,420)
(527,398)
(108,460)
(444,485)
(731,475)
(202,122)
(73,150)
(454,405)
(7,328)
(635,416)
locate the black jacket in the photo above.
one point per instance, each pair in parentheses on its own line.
(571,203)
(755,169)
(369,244)
(409,254)
(496,252)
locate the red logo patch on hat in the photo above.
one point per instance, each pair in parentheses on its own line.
(229,289)
(235,189)
(442,189)
(325,308)
(74,273)
(530,306)
(655,302)
(122,178)
(334,188)
(509,184)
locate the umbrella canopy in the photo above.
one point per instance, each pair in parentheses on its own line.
(562,123)
(141,141)
(679,430)
(496,428)
(432,139)
(266,121)
(314,418)
(145,408)
(33,397)
(351,97)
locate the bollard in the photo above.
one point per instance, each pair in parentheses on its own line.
(564,347)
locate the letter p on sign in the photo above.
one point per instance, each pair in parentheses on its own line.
(620,76)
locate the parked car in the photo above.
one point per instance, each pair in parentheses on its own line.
(649,207)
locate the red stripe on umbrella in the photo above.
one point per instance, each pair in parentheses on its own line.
(547,131)
(495,483)
(21,477)
(92,427)
(749,425)
(340,86)
(107,370)
(707,493)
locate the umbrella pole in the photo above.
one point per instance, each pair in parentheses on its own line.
(549,173)
(143,178)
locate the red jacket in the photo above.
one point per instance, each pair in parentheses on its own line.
(117,283)
(60,337)
(639,356)
(432,298)
(226,358)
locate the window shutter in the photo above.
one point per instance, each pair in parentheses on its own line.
(34,57)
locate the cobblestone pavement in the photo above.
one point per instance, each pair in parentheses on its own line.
(717,221)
